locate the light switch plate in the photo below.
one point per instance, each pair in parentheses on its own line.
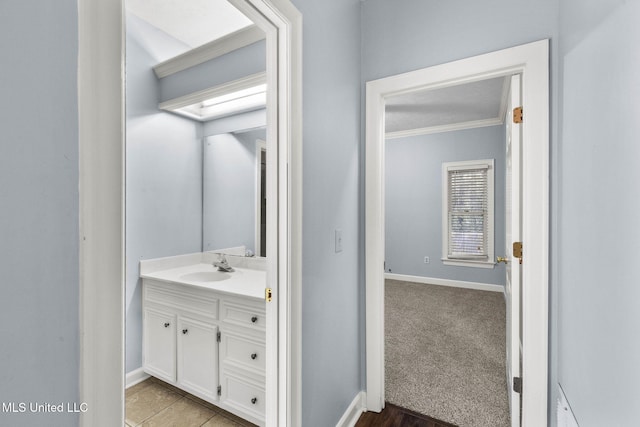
(338,236)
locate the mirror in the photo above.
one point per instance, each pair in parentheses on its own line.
(233,191)
(218,88)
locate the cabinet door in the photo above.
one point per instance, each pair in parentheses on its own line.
(198,358)
(159,337)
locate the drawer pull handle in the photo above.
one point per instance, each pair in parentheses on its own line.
(184,331)
(254,400)
(167,324)
(254,355)
(254,319)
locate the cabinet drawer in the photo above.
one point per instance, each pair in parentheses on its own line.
(181,298)
(243,315)
(242,352)
(243,394)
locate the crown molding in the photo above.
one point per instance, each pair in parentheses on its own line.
(209,51)
(445,128)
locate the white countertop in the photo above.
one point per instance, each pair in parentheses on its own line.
(191,270)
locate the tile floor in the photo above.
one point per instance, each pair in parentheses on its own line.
(154,403)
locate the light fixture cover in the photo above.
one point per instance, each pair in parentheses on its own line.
(239,101)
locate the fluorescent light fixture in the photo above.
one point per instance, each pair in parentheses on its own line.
(235,95)
(236,102)
(238,96)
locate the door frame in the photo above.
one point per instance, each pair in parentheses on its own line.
(532,62)
(101,124)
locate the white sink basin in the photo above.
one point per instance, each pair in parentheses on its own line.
(193,270)
(206,276)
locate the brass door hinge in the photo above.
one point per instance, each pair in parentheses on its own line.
(517,250)
(517,115)
(268,294)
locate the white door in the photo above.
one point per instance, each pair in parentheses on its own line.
(513,234)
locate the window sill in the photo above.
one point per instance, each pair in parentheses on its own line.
(468,263)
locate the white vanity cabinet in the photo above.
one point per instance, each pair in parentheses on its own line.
(208,343)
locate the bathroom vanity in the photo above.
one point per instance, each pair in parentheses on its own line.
(204,330)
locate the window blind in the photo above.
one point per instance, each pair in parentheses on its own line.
(468,213)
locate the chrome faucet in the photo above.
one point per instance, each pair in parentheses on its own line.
(222,264)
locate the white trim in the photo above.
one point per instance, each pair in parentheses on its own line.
(101,211)
(284,89)
(532,61)
(489,165)
(207,52)
(445,128)
(506,90)
(565,415)
(101,147)
(136,376)
(468,263)
(353,412)
(491,287)
(212,92)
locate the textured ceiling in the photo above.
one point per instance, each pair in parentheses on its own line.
(194,22)
(482,100)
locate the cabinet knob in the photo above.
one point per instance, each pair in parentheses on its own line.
(254,355)
(184,331)
(254,319)
(167,324)
(254,400)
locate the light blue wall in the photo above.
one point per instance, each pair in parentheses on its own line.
(232,66)
(229,190)
(238,122)
(39,350)
(164,177)
(404,35)
(39,169)
(413,201)
(599,235)
(331,135)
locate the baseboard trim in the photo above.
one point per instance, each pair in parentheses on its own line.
(446,282)
(353,412)
(134,377)
(566,417)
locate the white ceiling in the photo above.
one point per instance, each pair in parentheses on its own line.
(194,22)
(431,108)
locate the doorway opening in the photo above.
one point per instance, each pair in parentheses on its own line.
(445,173)
(531,62)
(102,207)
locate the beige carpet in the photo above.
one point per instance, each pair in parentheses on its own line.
(445,353)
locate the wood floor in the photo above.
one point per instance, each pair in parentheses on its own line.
(395,416)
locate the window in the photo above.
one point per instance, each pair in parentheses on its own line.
(467,213)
